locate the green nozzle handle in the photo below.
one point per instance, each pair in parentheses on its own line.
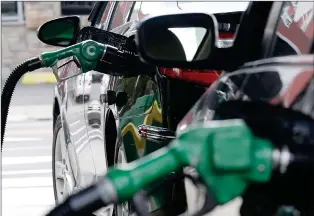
(226,154)
(139,174)
(87,52)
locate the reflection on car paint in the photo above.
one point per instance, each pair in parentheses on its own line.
(74,126)
(129,130)
(94,114)
(136,146)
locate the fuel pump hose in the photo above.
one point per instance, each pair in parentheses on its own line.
(89,53)
(9,86)
(226,155)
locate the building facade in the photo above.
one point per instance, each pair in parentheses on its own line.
(20,21)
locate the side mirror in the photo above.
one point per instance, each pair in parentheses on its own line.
(59,32)
(177,40)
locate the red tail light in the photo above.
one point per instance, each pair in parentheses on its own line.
(203,77)
(226,35)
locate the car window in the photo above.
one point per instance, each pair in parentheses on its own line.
(190,38)
(295,29)
(135,11)
(121,14)
(146,9)
(138,90)
(105,16)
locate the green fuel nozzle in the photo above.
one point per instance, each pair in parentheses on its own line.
(226,155)
(88,53)
(99,57)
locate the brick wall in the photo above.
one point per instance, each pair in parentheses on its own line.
(19,42)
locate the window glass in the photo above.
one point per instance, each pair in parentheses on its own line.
(190,38)
(134,14)
(105,15)
(149,9)
(76,7)
(121,13)
(295,30)
(9,8)
(12,11)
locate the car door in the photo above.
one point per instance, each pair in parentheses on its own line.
(93,109)
(143,99)
(73,122)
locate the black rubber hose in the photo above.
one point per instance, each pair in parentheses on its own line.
(9,86)
(87,201)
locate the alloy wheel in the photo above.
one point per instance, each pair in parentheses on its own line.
(64,184)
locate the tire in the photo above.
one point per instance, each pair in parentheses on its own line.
(56,130)
(57,127)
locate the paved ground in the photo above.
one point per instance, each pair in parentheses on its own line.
(36,77)
(5,72)
(25,95)
(26,168)
(26,158)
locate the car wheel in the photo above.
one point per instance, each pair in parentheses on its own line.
(63,183)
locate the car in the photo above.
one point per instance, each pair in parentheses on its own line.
(82,87)
(278,77)
(94,114)
(96,77)
(103,87)
(82,154)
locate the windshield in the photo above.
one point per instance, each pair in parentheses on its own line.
(287,85)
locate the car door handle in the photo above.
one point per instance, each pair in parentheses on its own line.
(156,134)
